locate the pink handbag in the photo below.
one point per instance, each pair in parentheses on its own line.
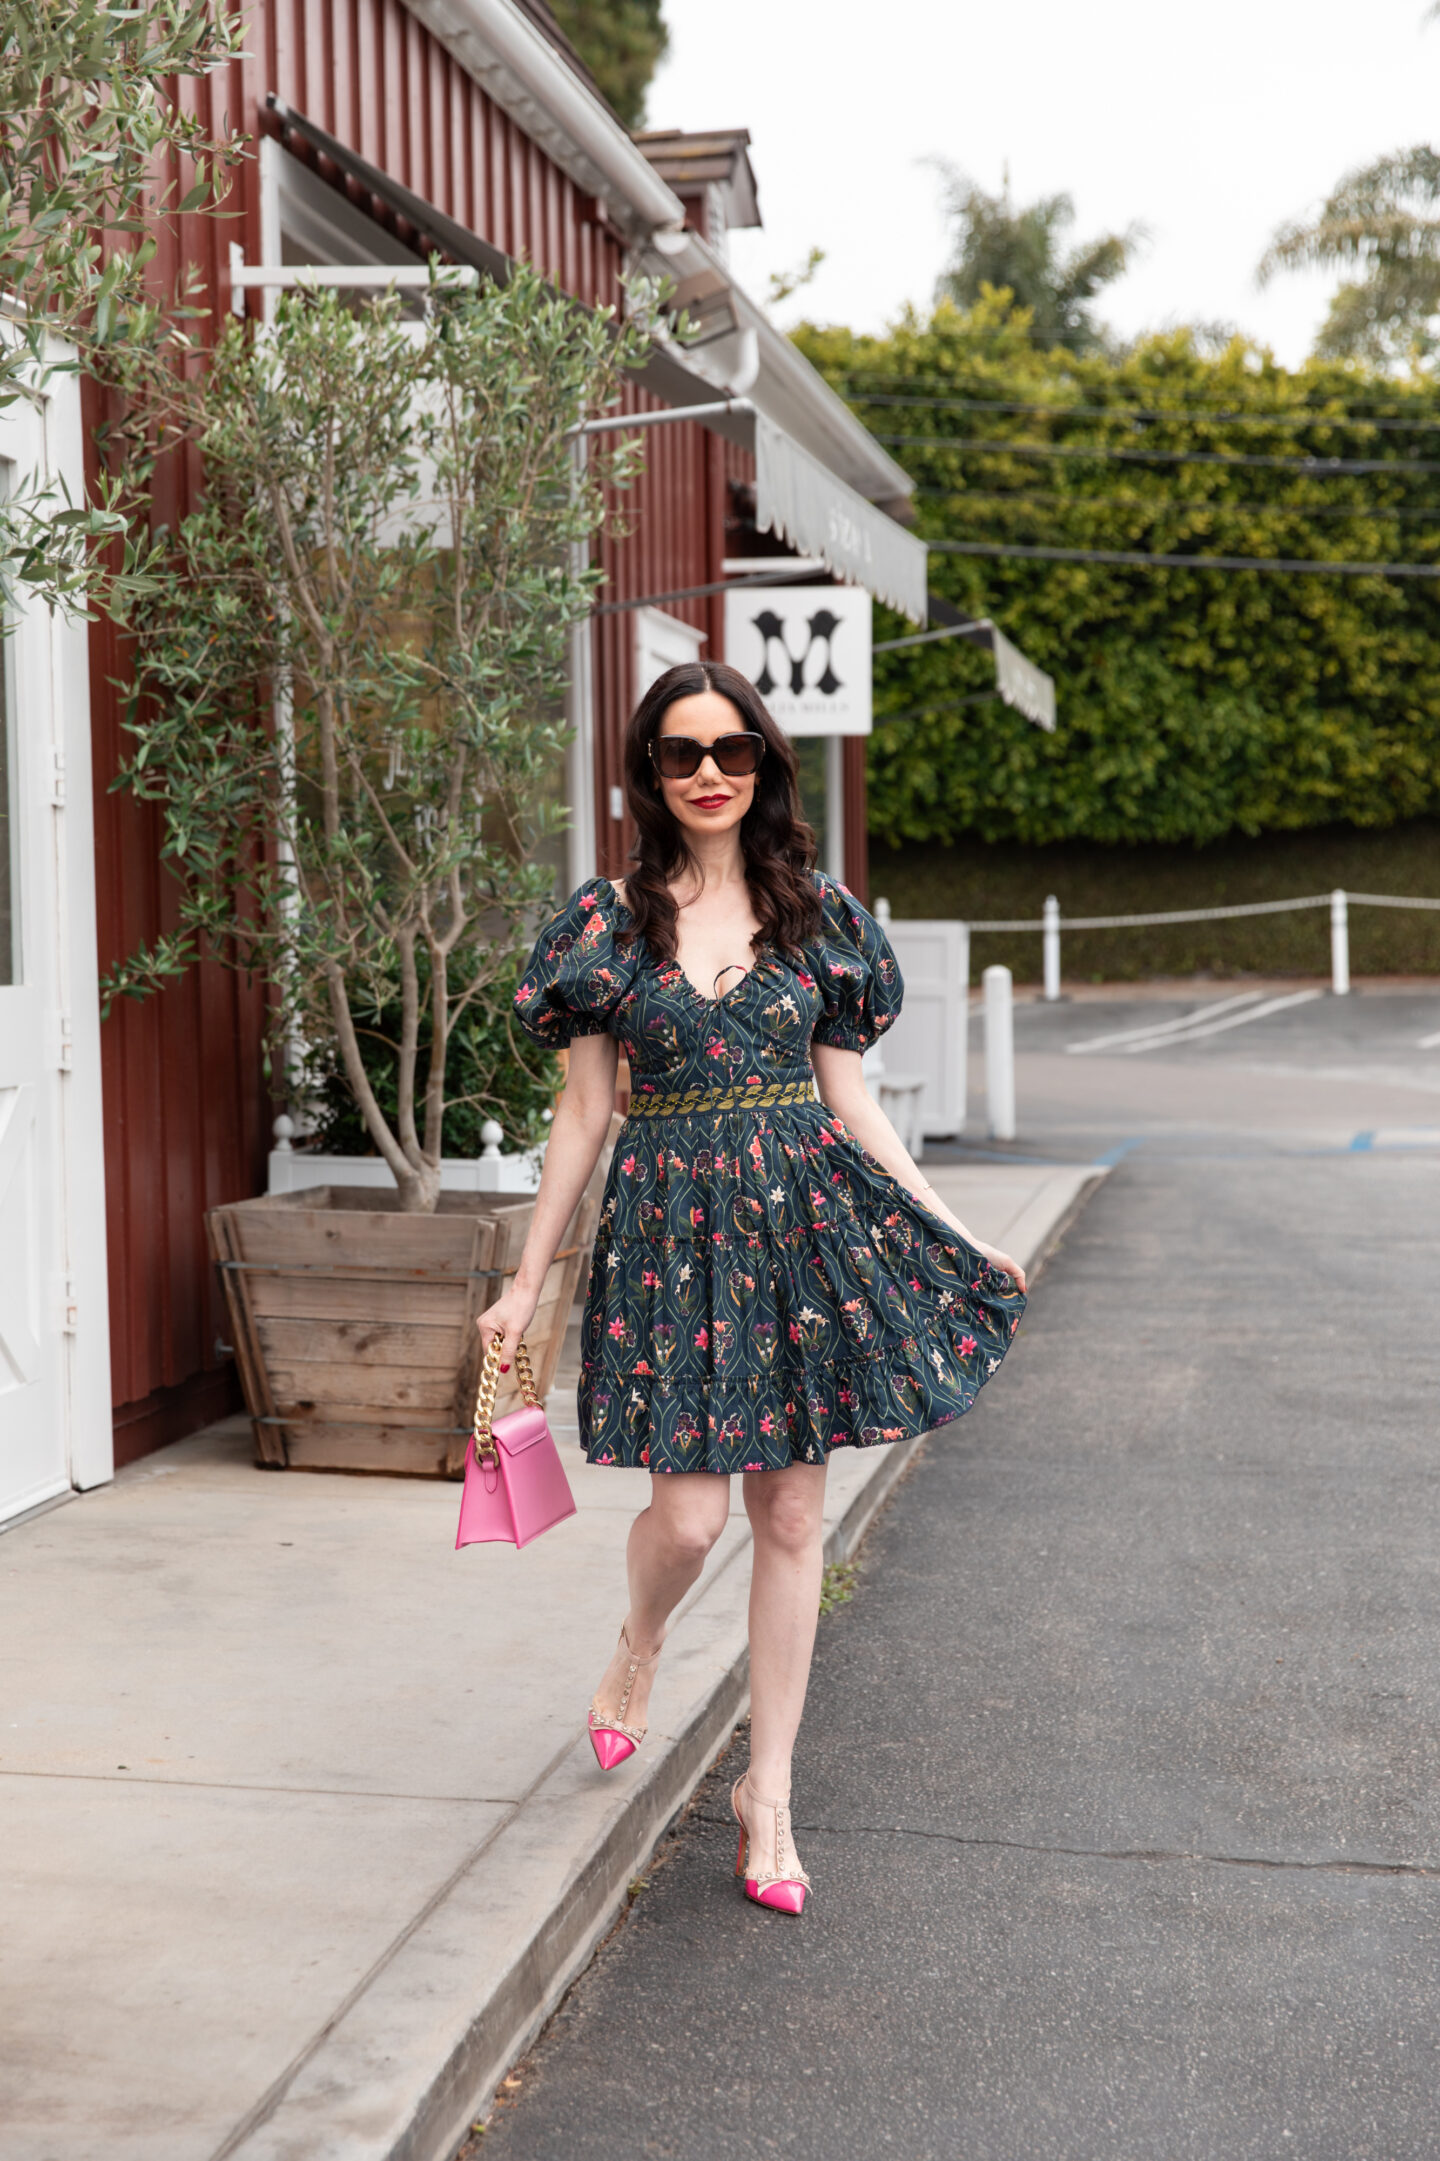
(515,1485)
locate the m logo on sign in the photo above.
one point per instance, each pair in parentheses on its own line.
(807,651)
(822,628)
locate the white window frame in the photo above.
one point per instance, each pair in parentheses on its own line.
(662,641)
(302,220)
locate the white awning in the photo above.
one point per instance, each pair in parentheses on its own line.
(819,515)
(1020,683)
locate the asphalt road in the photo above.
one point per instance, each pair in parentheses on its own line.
(1118,1780)
(1270,1066)
(1388,1036)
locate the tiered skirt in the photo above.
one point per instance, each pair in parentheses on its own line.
(763,1291)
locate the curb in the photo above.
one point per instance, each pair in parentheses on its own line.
(393,2077)
(407,2065)
(518,2011)
(533,1989)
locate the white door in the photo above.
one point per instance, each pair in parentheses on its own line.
(54,1394)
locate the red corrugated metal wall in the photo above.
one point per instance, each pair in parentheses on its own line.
(676,538)
(185,1102)
(370,74)
(187,1108)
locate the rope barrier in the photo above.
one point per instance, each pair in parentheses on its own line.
(1390,900)
(999,1046)
(1207,915)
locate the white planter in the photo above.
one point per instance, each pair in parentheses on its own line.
(293,1170)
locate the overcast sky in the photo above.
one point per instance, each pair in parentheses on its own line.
(1209,126)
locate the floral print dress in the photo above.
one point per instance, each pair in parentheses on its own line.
(762,1289)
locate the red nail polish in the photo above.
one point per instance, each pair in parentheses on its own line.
(504,1369)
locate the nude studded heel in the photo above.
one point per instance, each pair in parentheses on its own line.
(784,1892)
(611,1739)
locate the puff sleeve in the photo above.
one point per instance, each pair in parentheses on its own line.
(576,975)
(856,973)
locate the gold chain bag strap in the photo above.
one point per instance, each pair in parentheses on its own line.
(515,1484)
(485,1393)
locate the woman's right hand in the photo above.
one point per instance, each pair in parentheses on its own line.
(511,1315)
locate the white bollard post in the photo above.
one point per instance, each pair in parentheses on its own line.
(999,1053)
(882,913)
(962,996)
(1340,943)
(1050,947)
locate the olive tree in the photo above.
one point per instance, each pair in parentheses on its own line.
(99,149)
(350,658)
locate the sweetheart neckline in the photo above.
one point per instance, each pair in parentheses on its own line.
(714,1002)
(661,967)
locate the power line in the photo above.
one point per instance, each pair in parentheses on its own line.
(1179,505)
(978,630)
(1321,466)
(781,575)
(938,706)
(1136,559)
(1297,417)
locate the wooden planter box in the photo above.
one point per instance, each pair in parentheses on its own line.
(354,1324)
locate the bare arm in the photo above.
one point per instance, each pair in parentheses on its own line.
(576,1138)
(843,1090)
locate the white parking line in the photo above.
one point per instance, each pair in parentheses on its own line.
(1236,1020)
(1165,1027)
(1429,1042)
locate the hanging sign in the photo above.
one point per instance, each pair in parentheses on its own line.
(806,648)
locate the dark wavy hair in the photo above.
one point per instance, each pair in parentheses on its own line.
(777,844)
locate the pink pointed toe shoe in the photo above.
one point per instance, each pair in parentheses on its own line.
(784,1892)
(612,1740)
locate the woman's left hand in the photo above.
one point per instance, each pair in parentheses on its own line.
(1003,1262)
(992,1254)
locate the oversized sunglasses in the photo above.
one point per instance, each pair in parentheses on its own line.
(679,757)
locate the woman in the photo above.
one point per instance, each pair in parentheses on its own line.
(772,1277)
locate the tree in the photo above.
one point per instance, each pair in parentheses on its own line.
(1192,703)
(94,135)
(1018,250)
(350,661)
(1384,220)
(621,42)
(785,283)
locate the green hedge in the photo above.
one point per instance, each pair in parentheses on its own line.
(977,880)
(1192,704)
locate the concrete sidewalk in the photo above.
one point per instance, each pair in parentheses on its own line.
(302,1839)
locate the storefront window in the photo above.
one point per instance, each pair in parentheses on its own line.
(810,757)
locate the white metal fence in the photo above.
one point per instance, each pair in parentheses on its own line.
(935,955)
(1339,902)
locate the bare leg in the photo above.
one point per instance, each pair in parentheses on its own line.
(786,1510)
(668,1544)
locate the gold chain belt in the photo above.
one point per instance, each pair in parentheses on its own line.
(764,1096)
